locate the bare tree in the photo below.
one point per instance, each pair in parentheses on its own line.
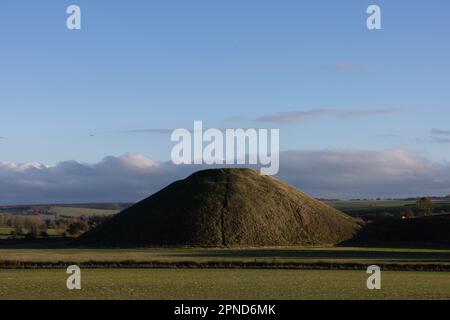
(33,225)
(17,222)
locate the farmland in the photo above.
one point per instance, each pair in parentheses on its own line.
(5,231)
(338,255)
(221,284)
(362,208)
(35,269)
(47,211)
(78,212)
(43,221)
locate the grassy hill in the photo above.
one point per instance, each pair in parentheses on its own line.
(225,207)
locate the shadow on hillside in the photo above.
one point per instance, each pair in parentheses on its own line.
(422,232)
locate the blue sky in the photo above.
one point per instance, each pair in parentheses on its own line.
(162,64)
(138,65)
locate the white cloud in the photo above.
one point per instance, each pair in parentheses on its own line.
(132,177)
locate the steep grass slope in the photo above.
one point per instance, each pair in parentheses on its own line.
(224,207)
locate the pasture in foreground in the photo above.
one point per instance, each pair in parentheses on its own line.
(268,255)
(206,284)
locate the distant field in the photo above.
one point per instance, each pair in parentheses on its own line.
(294,254)
(206,284)
(66,213)
(361,207)
(6,230)
(48,212)
(363,204)
(357,207)
(77,212)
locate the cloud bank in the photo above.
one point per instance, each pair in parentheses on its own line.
(132,177)
(365,174)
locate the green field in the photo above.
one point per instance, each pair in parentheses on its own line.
(78,212)
(6,231)
(221,284)
(291,254)
(182,283)
(362,204)
(364,207)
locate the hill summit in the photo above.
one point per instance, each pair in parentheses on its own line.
(224,207)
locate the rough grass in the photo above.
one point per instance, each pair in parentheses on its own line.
(221,284)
